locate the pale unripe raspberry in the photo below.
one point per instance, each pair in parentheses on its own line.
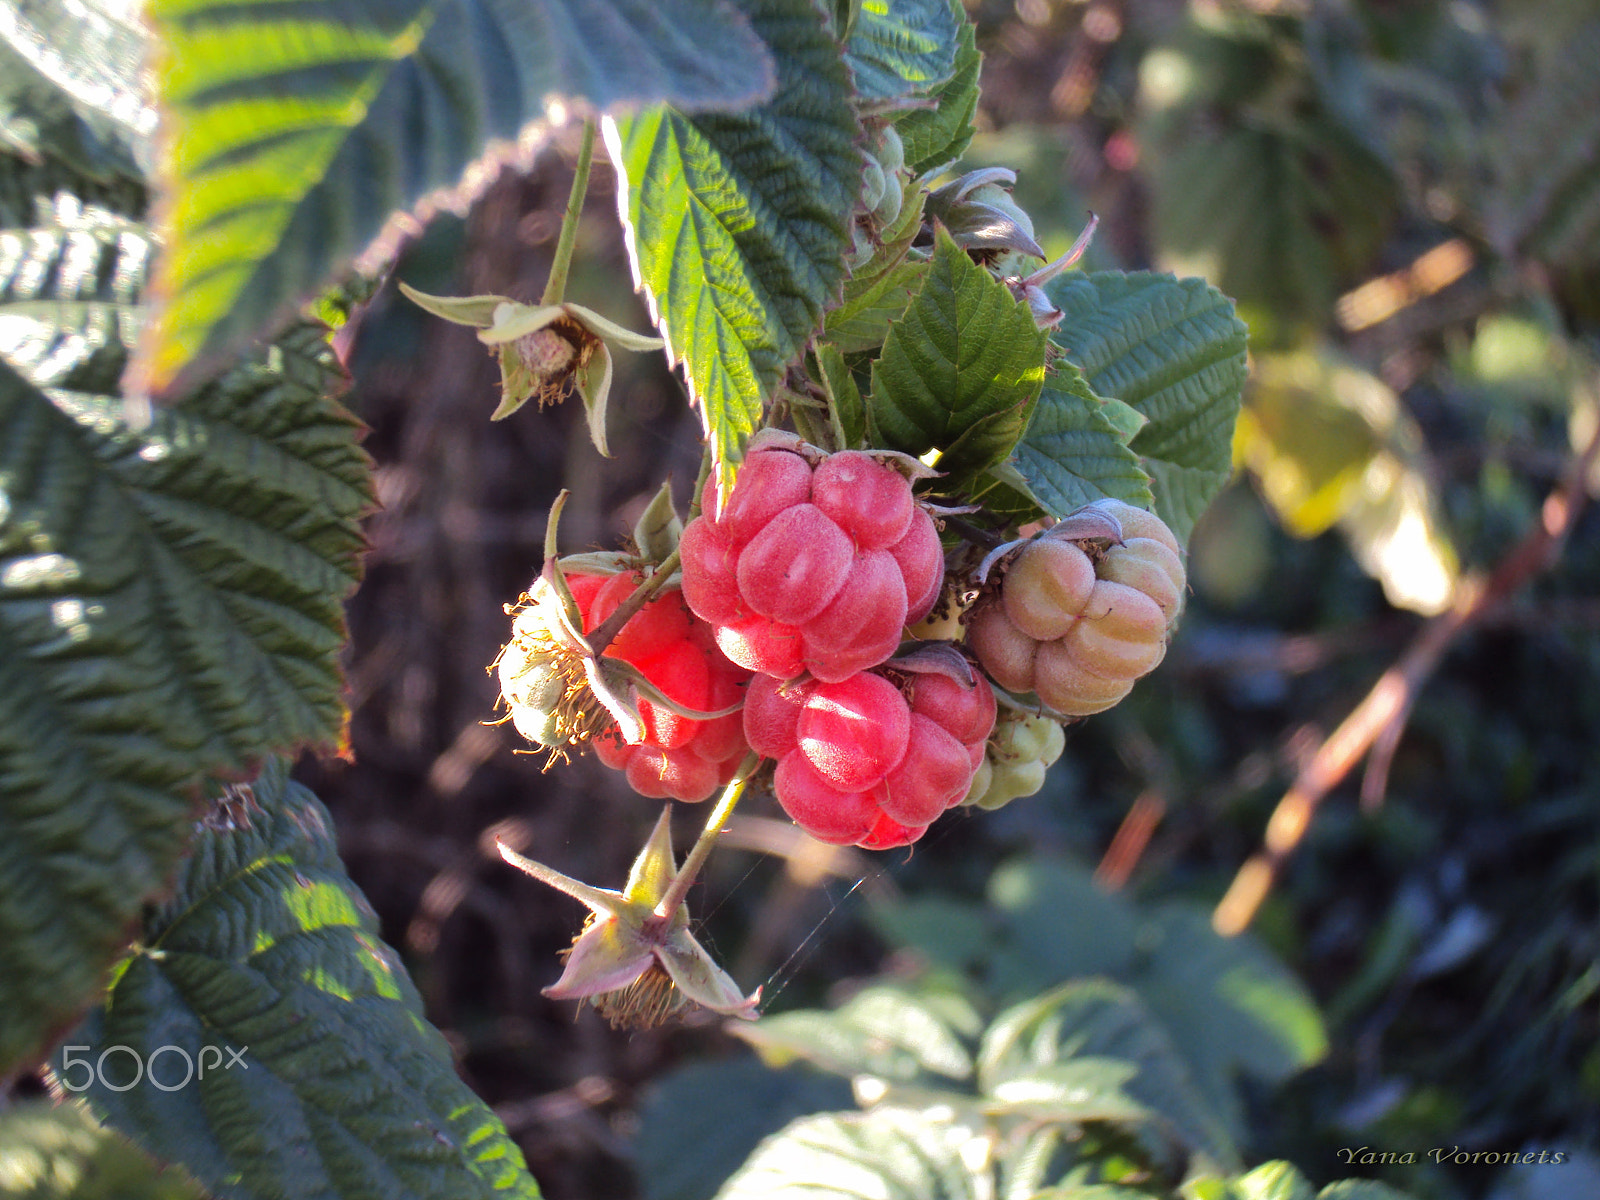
(1079,615)
(1018,755)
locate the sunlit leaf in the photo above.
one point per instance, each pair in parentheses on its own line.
(738,223)
(322,1078)
(296,132)
(58,1152)
(939,136)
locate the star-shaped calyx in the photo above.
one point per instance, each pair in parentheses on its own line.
(541,347)
(636,960)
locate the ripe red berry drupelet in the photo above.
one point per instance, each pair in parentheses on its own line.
(865,760)
(811,568)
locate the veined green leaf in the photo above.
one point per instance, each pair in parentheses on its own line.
(898,47)
(170,603)
(321,1077)
(738,223)
(892,1032)
(1073,452)
(939,136)
(1273,1181)
(70,286)
(58,1152)
(295,132)
(1098,1019)
(886,1154)
(960,370)
(1174,350)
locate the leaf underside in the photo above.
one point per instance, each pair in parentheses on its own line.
(901,48)
(1174,350)
(341,1089)
(738,223)
(296,131)
(939,136)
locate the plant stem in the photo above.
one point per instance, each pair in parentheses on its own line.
(701,850)
(555,288)
(606,632)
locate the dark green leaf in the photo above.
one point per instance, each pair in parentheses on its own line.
(1228,1004)
(887,1154)
(58,1152)
(296,131)
(700,1123)
(1273,1181)
(844,397)
(1174,350)
(939,136)
(267,949)
(71,87)
(901,47)
(965,362)
(170,603)
(1546,144)
(738,223)
(1360,1189)
(885,1030)
(1102,1020)
(1073,452)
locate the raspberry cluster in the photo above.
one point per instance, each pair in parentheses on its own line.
(866,761)
(1076,621)
(811,567)
(679,757)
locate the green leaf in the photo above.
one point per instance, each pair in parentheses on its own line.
(1229,1005)
(1074,452)
(844,397)
(1097,1019)
(295,132)
(897,47)
(1360,1189)
(1273,1181)
(886,1154)
(1080,1089)
(699,1123)
(738,223)
(70,286)
(961,369)
(886,1030)
(939,136)
(58,1152)
(266,949)
(1546,158)
(1174,350)
(71,87)
(170,603)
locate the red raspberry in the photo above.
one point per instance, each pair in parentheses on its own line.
(864,761)
(811,570)
(679,757)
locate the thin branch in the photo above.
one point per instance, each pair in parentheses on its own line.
(1380,718)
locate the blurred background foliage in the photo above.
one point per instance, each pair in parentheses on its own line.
(1404,196)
